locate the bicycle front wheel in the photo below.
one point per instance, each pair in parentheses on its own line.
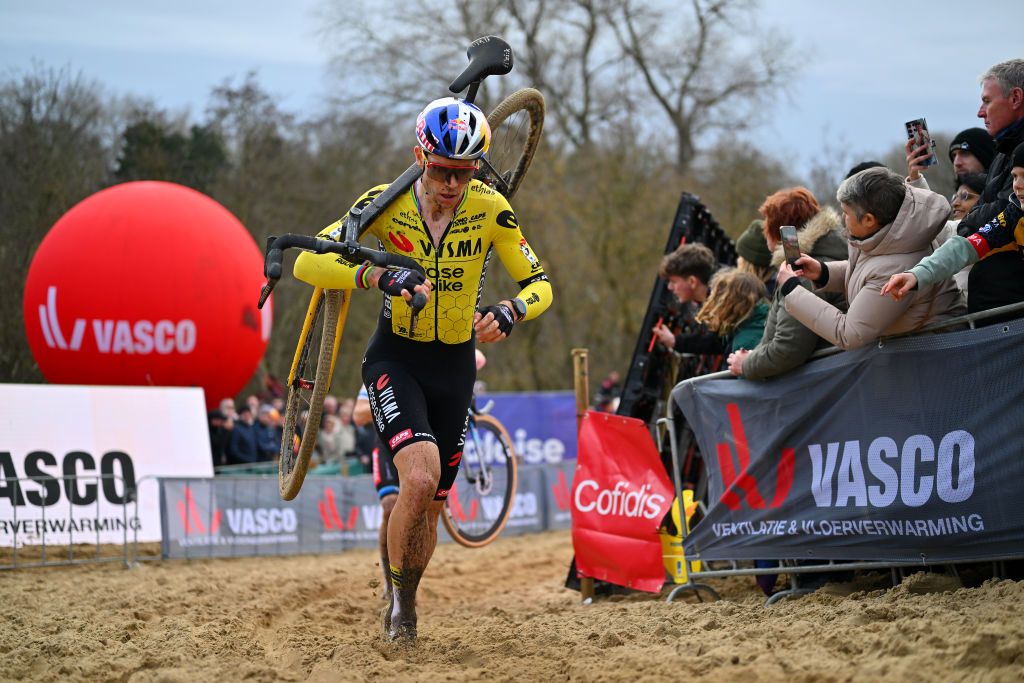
(516,124)
(481,499)
(308,384)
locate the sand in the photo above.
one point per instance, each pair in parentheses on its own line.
(499,613)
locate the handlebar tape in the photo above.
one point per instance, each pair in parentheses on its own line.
(419,300)
(274,258)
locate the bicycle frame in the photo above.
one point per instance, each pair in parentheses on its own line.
(311,311)
(483,469)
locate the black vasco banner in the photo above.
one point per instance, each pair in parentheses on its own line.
(908,450)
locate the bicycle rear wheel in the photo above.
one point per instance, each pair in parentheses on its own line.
(480,500)
(308,384)
(516,124)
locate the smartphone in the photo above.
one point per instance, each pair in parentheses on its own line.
(790,244)
(917,130)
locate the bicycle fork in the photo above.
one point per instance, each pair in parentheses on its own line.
(481,478)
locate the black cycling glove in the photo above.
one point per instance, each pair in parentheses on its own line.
(394,282)
(503,314)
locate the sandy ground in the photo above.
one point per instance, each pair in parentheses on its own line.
(499,613)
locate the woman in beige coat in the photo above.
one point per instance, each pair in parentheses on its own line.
(891,226)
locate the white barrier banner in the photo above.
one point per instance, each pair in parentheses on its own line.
(73,457)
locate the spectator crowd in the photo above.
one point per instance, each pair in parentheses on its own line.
(894,260)
(251,432)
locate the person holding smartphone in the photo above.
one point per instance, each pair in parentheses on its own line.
(971,152)
(1003,234)
(889,223)
(786,342)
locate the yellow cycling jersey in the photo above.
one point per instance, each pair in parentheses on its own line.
(456,266)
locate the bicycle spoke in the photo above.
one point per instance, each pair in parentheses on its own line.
(481,499)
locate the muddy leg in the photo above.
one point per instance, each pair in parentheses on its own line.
(411,540)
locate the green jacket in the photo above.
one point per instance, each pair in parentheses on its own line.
(748,333)
(786,343)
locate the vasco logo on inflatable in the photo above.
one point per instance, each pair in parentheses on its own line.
(147,283)
(117,336)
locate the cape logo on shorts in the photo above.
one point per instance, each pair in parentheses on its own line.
(401,436)
(383,381)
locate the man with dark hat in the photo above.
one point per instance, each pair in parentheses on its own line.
(972,151)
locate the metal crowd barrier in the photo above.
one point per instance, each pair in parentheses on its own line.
(207,496)
(205,518)
(695,578)
(50,554)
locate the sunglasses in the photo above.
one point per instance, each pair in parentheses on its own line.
(442,172)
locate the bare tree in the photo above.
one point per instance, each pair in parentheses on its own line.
(692,68)
(568,53)
(53,154)
(598,62)
(391,54)
(564,48)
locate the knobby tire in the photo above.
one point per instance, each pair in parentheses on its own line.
(514,139)
(294,462)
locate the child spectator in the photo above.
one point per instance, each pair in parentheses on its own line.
(736,309)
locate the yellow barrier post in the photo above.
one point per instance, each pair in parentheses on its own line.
(672,544)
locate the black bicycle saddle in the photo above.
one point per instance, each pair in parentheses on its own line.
(488,56)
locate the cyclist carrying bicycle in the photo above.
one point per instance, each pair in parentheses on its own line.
(419,378)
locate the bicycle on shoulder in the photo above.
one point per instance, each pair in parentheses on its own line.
(516,125)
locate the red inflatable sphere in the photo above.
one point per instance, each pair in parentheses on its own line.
(148,283)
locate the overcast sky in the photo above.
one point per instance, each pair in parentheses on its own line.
(866,66)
